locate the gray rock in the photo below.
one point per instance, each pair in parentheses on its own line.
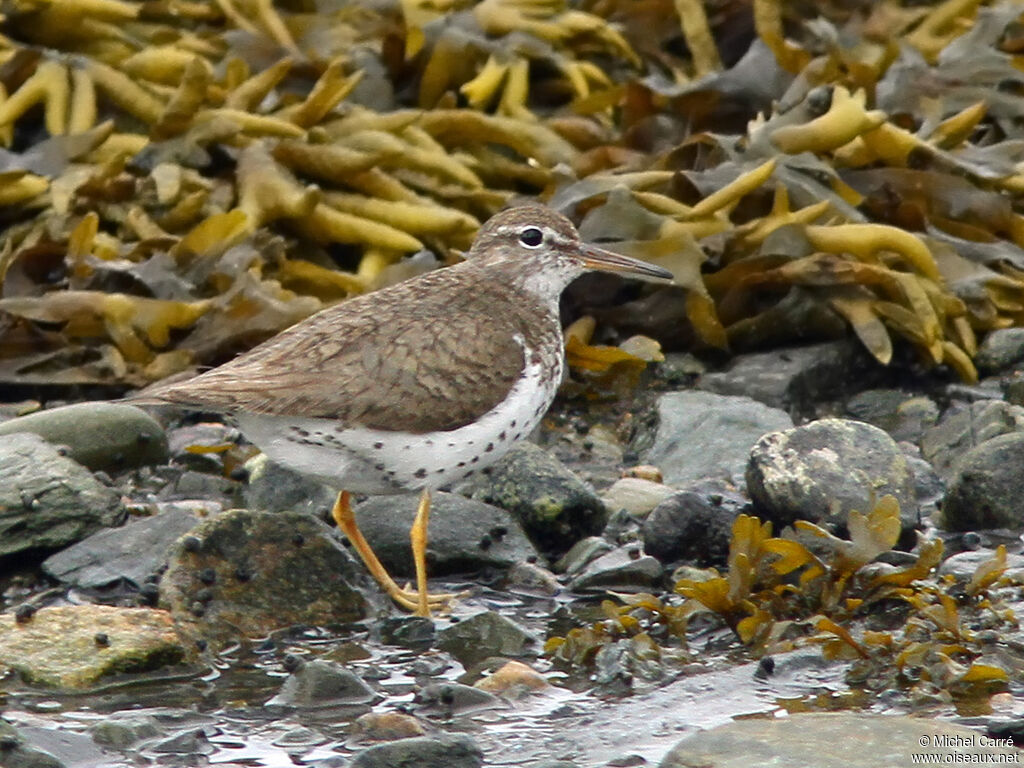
(450,699)
(625,569)
(904,416)
(129,553)
(929,486)
(107,436)
(190,485)
(60,646)
(273,488)
(484,635)
(442,751)
(15,753)
(999,350)
(705,435)
(794,379)
(122,732)
(964,428)
(66,747)
(694,524)
(553,505)
(321,683)
(48,501)
(415,632)
(635,495)
(823,470)
(985,491)
(193,742)
(582,552)
(465,535)
(832,740)
(963,565)
(531,578)
(250,573)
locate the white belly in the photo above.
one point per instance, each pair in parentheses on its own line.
(377,461)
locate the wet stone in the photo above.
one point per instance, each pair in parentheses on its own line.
(65,747)
(694,524)
(285,583)
(513,680)
(706,435)
(532,578)
(449,699)
(803,740)
(320,683)
(57,648)
(582,552)
(486,634)
(16,753)
(823,470)
(299,737)
(100,436)
(48,501)
(552,504)
(413,632)
(386,726)
(625,569)
(129,553)
(465,535)
(442,751)
(193,742)
(985,489)
(123,732)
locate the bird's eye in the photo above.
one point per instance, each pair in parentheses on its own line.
(531,237)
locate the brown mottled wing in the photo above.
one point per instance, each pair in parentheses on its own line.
(413,357)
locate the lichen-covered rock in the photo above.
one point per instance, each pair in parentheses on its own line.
(75,646)
(823,470)
(486,634)
(248,573)
(48,501)
(553,505)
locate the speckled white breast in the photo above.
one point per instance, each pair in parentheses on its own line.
(377,461)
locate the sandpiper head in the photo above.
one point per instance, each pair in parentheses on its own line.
(546,241)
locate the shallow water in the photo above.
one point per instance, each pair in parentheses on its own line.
(218,715)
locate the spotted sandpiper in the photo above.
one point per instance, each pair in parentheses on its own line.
(419,384)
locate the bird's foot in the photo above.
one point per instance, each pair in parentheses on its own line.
(436,602)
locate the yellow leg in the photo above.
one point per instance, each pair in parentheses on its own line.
(418,539)
(420,601)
